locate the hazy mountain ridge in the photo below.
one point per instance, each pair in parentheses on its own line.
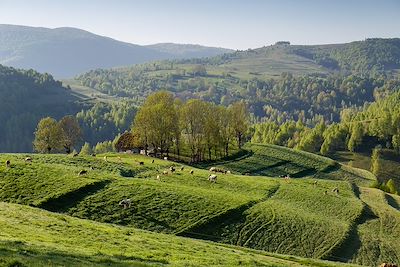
(66,52)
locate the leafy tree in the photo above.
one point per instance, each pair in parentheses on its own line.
(375,161)
(125,142)
(391,187)
(240,120)
(71,132)
(357,132)
(193,124)
(157,121)
(48,136)
(86,149)
(104,147)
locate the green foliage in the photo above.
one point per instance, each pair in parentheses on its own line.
(104,147)
(71,132)
(375,161)
(156,123)
(86,149)
(104,121)
(26,97)
(48,136)
(199,127)
(391,187)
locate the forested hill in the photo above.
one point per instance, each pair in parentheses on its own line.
(66,52)
(280,82)
(25,97)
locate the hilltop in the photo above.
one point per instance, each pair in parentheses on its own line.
(66,52)
(300,216)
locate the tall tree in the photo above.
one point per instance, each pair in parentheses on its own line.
(71,132)
(48,136)
(240,120)
(157,121)
(193,124)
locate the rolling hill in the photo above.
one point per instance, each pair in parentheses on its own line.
(300,216)
(44,238)
(66,52)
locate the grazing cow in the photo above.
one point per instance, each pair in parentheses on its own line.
(165,158)
(287,178)
(92,168)
(326,192)
(141,163)
(191,171)
(213,169)
(152,161)
(82,172)
(158,178)
(315,183)
(105,159)
(212,178)
(228,172)
(172,169)
(385,264)
(165,172)
(28,159)
(126,203)
(8,163)
(182,168)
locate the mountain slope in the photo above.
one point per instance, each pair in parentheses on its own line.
(66,52)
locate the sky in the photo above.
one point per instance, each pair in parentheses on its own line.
(236,24)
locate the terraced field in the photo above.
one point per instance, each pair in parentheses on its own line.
(301,216)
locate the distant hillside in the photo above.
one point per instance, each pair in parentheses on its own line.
(66,52)
(279,82)
(189,50)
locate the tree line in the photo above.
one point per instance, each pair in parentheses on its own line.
(375,124)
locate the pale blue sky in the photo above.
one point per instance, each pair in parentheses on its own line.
(237,24)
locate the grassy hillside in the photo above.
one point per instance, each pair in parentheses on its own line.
(297,216)
(33,237)
(272,160)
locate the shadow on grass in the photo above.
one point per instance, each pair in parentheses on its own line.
(64,202)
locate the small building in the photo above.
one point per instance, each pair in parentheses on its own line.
(285,43)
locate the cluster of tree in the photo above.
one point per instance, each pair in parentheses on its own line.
(103,121)
(374,124)
(55,136)
(26,96)
(372,56)
(308,98)
(165,124)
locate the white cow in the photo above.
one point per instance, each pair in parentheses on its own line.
(212,178)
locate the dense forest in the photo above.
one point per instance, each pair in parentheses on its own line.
(26,96)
